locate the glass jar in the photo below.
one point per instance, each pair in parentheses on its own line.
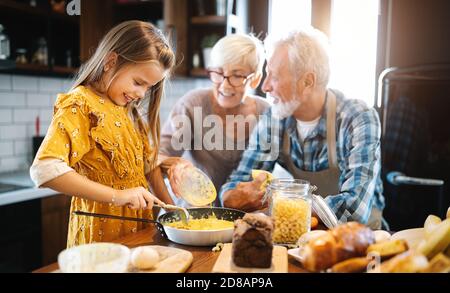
(21,56)
(4,45)
(290,208)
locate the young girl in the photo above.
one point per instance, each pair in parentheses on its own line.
(98,149)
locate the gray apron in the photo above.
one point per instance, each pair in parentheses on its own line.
(326,180)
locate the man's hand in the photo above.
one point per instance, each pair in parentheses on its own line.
(247,196)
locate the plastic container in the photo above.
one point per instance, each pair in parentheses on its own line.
(290,207)
(95,258)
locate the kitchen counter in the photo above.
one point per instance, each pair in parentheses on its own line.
(204,258)
(21,188)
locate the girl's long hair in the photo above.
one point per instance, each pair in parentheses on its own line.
(133,42)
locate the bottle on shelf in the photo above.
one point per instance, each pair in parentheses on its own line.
(41,55)
(69,58)
(4,44)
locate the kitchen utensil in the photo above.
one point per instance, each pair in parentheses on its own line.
(224,263)
(184,215)
(186,237)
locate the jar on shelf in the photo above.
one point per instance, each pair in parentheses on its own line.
(21,57)
(290,208)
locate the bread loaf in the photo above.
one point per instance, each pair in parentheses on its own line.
(343,242)
(252,241)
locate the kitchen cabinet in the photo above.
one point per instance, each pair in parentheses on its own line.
(192,22)
(186,22)
(98,17)
(55,212)
(26,27)
(20,240)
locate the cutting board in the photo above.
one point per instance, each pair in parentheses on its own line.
(171,260)
(224,263)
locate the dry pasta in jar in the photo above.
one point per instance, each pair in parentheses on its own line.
(290,209)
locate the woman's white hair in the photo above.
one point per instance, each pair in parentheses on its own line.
(308,52)
(240,49)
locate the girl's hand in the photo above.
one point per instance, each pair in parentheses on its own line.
(136,198)
(176,169)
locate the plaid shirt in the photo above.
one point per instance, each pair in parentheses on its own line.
(358,133)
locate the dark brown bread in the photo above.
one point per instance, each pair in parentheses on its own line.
(252,241)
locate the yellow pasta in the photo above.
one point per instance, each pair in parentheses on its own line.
(211,223)
(292,218)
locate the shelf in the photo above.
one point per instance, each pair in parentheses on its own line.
(199,72)
(64,70)
(209,20)
(32,67)
(35,69)
(7,64)
(27,9)
(137,3)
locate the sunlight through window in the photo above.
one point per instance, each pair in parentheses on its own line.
(354,28)
(287,15)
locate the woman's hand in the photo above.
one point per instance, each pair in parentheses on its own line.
(176,168)
(136,198)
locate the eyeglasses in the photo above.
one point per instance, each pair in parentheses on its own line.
(233,80)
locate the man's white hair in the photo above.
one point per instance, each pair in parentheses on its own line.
(308,52)
(239,49)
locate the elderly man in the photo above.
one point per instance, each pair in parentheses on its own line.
(318,135)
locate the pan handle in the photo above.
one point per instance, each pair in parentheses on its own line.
(158,225)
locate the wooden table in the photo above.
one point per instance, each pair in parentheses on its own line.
(204,258)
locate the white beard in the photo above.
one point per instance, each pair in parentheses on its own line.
(282,110)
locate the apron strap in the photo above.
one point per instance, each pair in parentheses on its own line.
(331,130)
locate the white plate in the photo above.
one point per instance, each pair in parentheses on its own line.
(412,236)
(295,254)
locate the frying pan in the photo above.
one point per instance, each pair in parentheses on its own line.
(187,237)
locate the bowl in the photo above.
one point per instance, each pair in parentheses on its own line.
(95,258)
(196,188)
(412,236)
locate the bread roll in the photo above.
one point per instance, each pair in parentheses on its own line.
(343,242)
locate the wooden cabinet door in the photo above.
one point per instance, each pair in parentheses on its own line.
(55,221)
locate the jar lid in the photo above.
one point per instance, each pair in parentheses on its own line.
(324,212)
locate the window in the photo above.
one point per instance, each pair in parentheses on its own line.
(353,30)
(353,40)
(286,15)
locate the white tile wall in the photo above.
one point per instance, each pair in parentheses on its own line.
(24,83)
(5,82)
(6,149)
(22,98)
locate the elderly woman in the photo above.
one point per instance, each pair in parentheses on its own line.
(210,127)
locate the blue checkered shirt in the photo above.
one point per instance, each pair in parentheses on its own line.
(358,132)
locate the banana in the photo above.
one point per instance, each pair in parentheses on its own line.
(431,223)
(448,213)
(437,241)
(269,177)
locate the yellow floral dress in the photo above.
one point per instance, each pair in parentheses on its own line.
(98,139)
